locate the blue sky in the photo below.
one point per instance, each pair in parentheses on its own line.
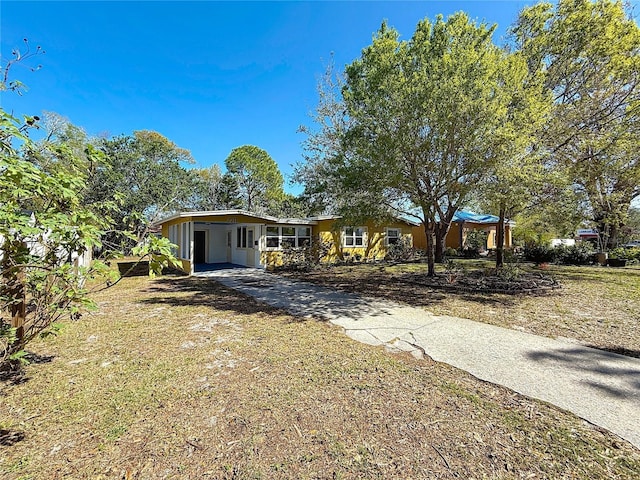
(211,76)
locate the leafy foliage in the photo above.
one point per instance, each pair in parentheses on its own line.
(417,127)
(307,257)
(400,251)
(587,52)
(143,172)
(632,255)
(44,228)
(579,254)
(48,226)
(257,177)
(539,253)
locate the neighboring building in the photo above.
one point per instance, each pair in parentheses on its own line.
(461,224)
(248,239)
(567,242)
(587,234)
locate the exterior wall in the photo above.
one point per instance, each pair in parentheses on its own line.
(216,238)
(184,241)
(453,239)
(374,247)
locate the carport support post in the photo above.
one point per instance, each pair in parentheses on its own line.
(192,250)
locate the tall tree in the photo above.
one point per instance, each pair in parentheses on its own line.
(518,175)
(144,172)
(258,178)
(421,123)
(588,52)
(215,190)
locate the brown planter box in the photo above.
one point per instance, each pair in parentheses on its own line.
(617,262)
(133,269)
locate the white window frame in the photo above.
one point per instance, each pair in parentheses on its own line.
(397,237)
(354,237)
(303,238)
(295,239)
(241,241)
(185,243)
(272,236)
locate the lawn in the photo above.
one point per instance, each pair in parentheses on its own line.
(596,306)
(183,378)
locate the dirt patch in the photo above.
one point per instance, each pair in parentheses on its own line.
(481,282)
(183,378)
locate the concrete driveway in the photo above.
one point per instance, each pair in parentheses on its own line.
(600,387)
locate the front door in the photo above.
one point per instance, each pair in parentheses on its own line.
(200,246)
(251,253)
(229,257)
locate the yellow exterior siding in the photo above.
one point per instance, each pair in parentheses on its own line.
(368,244)
(375,245)
(454,240)
(271,259)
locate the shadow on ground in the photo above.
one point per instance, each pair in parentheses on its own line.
(404,291)
(207,293)
(602,367)
(13,372)
(9,438)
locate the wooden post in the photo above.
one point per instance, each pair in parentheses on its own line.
(18,311)
(14,282)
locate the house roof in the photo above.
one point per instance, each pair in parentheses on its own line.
(464,216)
(214,213)
(264,218)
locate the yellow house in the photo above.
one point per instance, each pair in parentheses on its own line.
(462,223)
(243,238)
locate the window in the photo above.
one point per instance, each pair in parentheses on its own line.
(304,236)
(242,237)
(185,244)
(354,237)
(173,238)
(273,237)
(287,236)
(393,236)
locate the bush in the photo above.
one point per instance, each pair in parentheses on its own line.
(305,258)
(632,255)
(476,240)
(401,251)
(539,254)
(578,254)
(450,252)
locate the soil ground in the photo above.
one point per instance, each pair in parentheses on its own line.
(183,378)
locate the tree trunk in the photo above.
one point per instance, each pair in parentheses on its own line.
(441,231)
(14,284)
(429,234)
(500,239)
(439,249)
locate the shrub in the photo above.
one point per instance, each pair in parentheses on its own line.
(539,254)
(632,255)
(400,251)
(305,258)
(578,254)
(476,240)
(450,252)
